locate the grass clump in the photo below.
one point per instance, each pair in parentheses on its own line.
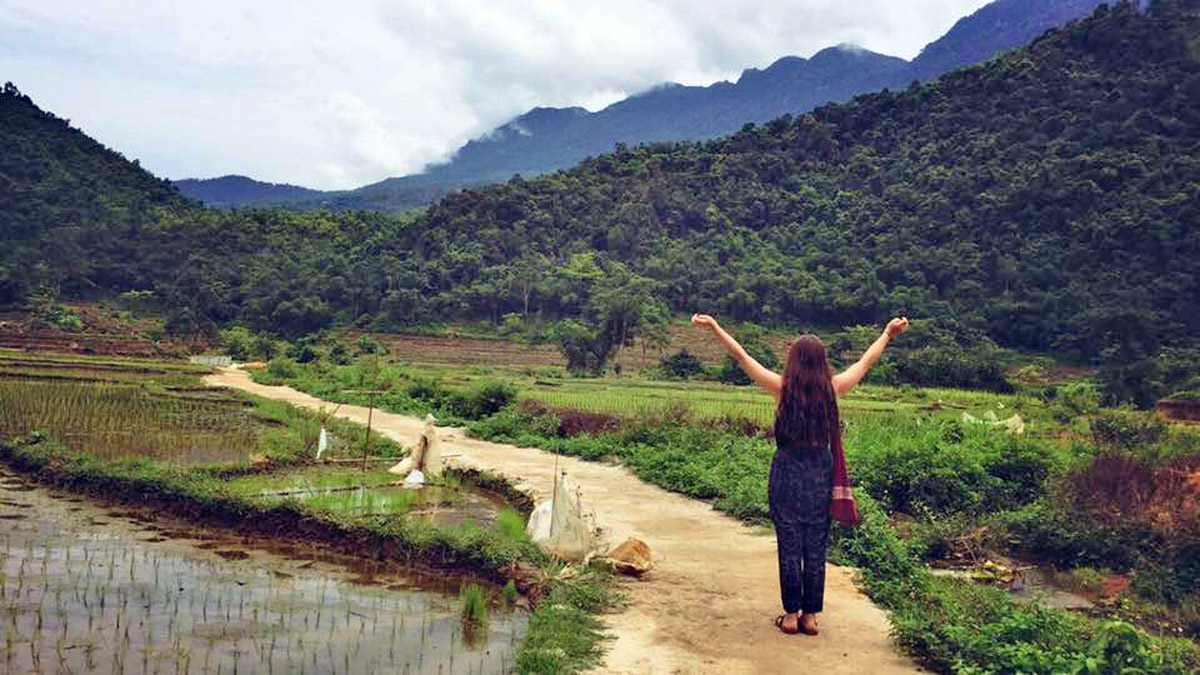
(564,633)
(511,526)
(473,611)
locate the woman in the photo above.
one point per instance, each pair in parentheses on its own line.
(807,434)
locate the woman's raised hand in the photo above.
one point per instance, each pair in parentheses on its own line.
(704,321)
(895,326)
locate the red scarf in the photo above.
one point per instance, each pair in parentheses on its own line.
(842,508)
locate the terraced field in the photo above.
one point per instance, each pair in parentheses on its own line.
(474,351)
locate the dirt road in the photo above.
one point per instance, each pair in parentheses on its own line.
(709,604)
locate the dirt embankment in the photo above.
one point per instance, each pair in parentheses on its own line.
(708,605)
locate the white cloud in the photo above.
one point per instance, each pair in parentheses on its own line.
(336,95)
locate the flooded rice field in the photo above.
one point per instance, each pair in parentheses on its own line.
(129,409)
(84,588)
(444,506)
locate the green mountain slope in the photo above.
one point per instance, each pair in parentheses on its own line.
(79,221)
(61,194)
(1049,198)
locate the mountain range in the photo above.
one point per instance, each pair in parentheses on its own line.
(547,139)
(1047,199)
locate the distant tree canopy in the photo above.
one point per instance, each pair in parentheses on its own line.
(1049,199)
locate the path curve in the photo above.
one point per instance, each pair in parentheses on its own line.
(708,605)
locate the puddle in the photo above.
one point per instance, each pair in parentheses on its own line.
(444,506)
(82,592)
(1026,583)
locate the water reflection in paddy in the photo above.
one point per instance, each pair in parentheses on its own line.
(84,588)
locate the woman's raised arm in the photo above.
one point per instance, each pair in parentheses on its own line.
(764,377)
(848,379)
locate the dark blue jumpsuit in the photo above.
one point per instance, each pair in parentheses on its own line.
(800,490)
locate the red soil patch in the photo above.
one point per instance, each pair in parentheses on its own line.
(1120,488)
(1180,411)
(1113,586)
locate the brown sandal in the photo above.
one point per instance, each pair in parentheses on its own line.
(806,630)
(780,626)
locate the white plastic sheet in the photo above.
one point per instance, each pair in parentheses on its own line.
(426,457)
(322,442)
(1013,425)
(559,526)
(432,460)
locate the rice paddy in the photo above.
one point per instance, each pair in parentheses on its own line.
(88,590)
(132,409)
(633,396)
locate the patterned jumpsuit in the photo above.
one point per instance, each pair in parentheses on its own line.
(800,489)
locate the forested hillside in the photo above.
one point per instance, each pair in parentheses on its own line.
(64,199)
(1049,198)
(79,221)
(230,191)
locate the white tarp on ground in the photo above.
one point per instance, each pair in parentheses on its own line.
(322,442)
(426,457)
(1013,425)
(560,527)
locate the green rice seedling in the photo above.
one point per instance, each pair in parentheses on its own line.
(474,610)
(511,526)
(510,593)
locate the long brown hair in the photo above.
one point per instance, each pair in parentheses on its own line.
(807,415)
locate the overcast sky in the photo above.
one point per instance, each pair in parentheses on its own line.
(339,94)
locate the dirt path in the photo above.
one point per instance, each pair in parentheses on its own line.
(708,605)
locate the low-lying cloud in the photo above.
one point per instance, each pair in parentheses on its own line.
(337,95)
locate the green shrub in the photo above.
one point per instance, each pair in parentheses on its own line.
(62,318)
(490,398)
(339,354)
(236,342)
(511,526)
(282,368)
(428,390)
(302,353)
(947,468)
(682,364)
(933,537)
(1128,430)
(1086,579)
(511,325)
(588,447)
(481,401)
(504,427)
(946,366)
(1053,529)
(367,346)
(474,606)
(1157,583)
(1075,400)
(263,347)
